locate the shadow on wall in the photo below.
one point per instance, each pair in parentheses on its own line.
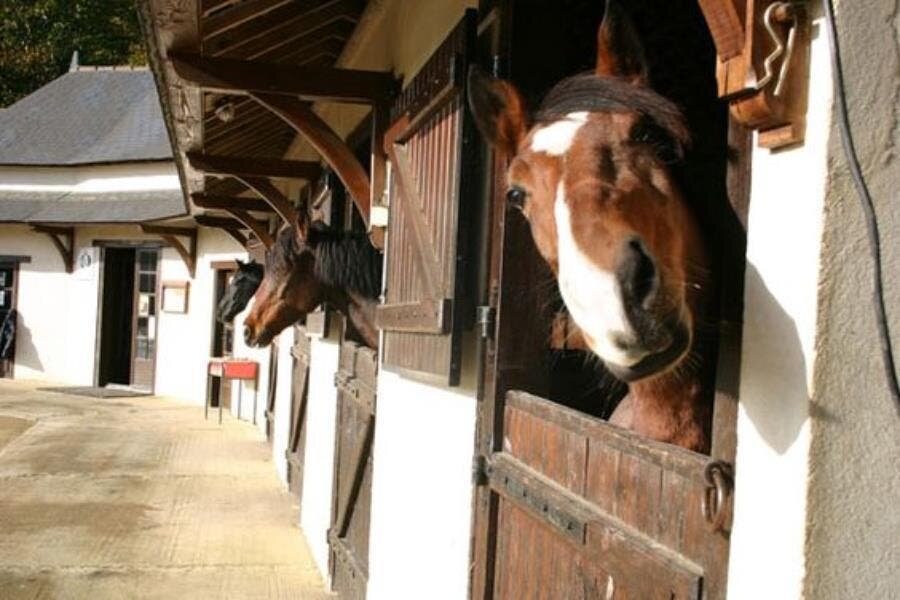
(26,352)
(774,391)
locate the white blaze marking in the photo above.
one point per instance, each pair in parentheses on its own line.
(591,294)
(556,139)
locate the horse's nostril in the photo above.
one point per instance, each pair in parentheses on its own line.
(637,274)
(248,335)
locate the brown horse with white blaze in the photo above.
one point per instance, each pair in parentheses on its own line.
(308,266)
(591,173)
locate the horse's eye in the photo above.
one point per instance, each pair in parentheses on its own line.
(515,196)
(646,131)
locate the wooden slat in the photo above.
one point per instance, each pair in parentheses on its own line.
(299,17)
(315,83)
(237,165)
(725,26)
(245,11)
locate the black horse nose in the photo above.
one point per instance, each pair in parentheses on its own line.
(248,335)
(637,275)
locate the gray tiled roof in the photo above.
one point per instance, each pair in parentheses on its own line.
(86,117)
(108,207)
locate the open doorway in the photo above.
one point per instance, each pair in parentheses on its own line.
(128,317)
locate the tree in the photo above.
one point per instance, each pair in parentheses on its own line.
(38,37)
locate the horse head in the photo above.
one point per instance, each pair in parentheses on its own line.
(238,293)
(590,170)
(308,265)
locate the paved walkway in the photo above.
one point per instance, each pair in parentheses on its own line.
(141,498)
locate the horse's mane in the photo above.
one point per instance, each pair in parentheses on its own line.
(348,261)
(591,93)
(343,259)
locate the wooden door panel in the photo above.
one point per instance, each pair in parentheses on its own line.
(299,401)
(430,145)
(348,537)
(598,509)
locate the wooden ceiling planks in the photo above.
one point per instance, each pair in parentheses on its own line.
(301,33)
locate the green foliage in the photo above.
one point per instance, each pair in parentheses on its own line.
(38,37)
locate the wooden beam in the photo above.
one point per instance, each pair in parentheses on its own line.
(213,201)
(219,222)
(257,227)
(327,143)
(273,196)
(212,164)
(239,237)
(314,83)
(63,239)
(170,235)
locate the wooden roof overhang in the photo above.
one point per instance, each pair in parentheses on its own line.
(237,80)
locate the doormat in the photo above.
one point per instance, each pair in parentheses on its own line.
(96,392)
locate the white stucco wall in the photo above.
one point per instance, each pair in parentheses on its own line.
(281,429)
(58,311)
(150,176)
(853,519)
(421,491)
(318,456)
(783,246)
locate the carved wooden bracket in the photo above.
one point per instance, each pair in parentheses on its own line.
(257,227)
(327,143)
(763,68)
(273,196)
(170,235)
(63,239)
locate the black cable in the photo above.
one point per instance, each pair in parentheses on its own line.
(865,199)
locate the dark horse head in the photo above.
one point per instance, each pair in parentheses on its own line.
(238,293)
(307,266)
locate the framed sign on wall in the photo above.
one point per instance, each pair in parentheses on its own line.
(175,296)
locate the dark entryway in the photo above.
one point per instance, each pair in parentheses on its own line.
(9,275)
(128,317)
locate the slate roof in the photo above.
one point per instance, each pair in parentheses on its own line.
(71,207)
(87,116)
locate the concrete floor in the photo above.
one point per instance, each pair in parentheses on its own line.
(141,498)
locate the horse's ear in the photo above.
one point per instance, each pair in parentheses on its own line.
(499,111)
(239,262)
(619,49)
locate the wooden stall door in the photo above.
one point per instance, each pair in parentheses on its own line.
(270,392)
(348,536)
(430,145)
(299,401)
(568,506)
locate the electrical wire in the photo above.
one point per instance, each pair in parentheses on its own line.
(868,207)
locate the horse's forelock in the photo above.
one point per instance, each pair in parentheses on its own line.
(591,93)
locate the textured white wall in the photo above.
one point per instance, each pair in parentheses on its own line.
(318,457)
(58,311)
(282,426)
(783,246)
(421,491)
(184,340)
(853,538)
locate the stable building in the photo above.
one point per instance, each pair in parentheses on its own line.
(110,282)
(461,458)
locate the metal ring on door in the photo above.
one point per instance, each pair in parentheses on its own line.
(718,481)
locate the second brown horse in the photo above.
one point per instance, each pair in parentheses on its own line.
(308,266)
